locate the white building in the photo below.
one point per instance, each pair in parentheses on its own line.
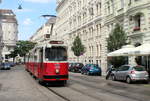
(83,18)
(10,32)
(93,20)
(45,32)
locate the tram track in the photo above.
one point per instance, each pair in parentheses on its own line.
(98,89)
(59,95)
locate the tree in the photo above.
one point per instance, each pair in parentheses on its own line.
(117,38)
(22,47)
(14,53)
(78,48)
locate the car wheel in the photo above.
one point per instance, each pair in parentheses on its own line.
(73,70)
(128,80)
(146,82)
(113,77)
(88,73)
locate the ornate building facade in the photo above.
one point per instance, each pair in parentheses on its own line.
(93,20)
(85,19)
(9,32)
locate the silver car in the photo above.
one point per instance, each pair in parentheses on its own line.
(130,73)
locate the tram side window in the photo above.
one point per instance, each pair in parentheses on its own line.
(56,54)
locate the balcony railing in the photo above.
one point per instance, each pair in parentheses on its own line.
(136,28)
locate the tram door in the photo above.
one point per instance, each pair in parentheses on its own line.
(40,62)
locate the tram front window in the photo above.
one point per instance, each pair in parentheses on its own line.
(56,54)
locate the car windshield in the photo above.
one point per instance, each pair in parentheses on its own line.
(79,64)
(139,68)
(56,54)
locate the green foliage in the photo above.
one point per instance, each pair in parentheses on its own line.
(22,47)
(116,40)
(78,48)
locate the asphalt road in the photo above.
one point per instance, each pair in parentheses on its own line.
(18,85)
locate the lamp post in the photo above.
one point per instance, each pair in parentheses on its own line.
(20,6)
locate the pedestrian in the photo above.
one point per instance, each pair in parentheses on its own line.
(109,71)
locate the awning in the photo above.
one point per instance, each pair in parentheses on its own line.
(141,50)
(124,51)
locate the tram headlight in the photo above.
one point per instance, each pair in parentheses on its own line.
(57,71)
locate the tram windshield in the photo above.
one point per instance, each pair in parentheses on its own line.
(56,54)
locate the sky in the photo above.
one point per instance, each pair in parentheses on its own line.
(29,18)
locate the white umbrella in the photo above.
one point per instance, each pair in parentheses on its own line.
(141,50)
(124,51)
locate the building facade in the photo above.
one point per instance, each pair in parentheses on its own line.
(10,32)
(45,32)
(93,21)
(1,33)
(85,19)
(134,17)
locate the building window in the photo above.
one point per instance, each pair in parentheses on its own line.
(47,35)
(130,2)
(108,7)
(98,7)
(91,11)
(112,3)
(137,20)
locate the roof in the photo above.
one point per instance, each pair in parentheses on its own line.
(7,16)
(6,11)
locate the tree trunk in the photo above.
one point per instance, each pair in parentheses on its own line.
(77,58)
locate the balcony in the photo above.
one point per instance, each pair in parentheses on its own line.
(136,28)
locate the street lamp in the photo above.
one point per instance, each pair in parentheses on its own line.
(19,7)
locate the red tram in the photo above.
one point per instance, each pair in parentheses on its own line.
(48,62)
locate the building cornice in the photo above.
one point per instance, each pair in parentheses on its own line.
(60,4)
(137,7)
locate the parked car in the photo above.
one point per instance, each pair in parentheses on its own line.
(75,67)
(71,65)
(130,73)
(5,66)
(91,69)
(12,64)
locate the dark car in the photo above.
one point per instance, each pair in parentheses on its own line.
(91,69)
(5,66)
(70,66)
(75,67)
(12,64)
